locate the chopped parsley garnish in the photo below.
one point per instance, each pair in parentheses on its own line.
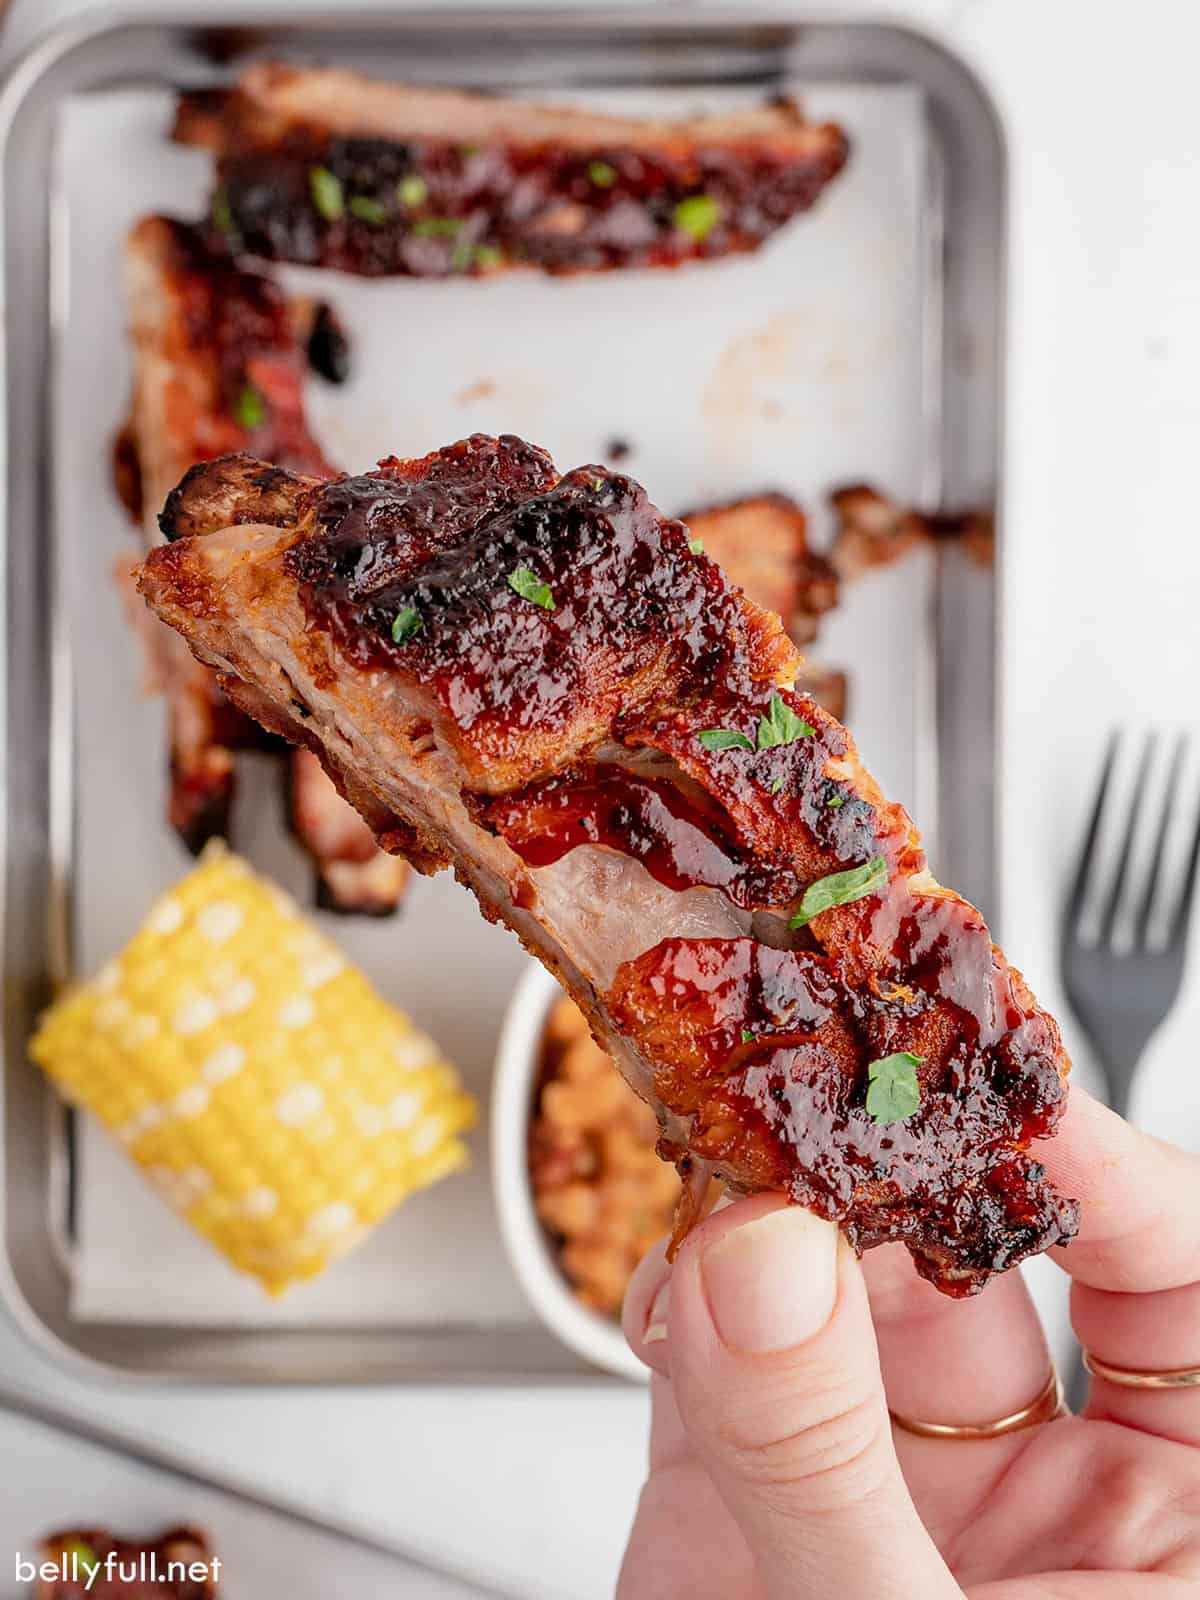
(327,193)
(367,210)
(469,150)
(249,409)
(697,215)
(839,889)
(437,227)
(597,484)
(406,623)
(724,739)
(836,802)
(893,1093)
(460,256)
(602,173)
(696,546)
(221,212)
(777,784)
(412,191)
(487,255)
(530,587)
(87,1558)
(780,725)
(748,1037)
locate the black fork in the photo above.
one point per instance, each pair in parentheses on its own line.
(1122,991)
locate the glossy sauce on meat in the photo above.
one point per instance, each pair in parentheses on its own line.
(766,1050)
(646,818)
(439,208)
(446,545)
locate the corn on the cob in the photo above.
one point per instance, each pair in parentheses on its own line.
(255,1076)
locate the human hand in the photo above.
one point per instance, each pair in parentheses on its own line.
(775,1471)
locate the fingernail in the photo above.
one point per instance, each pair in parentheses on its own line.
(656,1322)
(772,1283)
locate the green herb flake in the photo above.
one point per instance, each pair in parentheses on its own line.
(696,546)
(893,1092)
(367,210)
(327,193)
(602,173)
(406,623)
(777,785)
(697,215)
(221,212)
(249,409)
(487,255)
(460,256)
(780,725)
(748,1037)
(840,889)
(530,587)
(87,1558)
(412,191)
(836,802)
(437,227)
(597,484)
(469,150)
(724,739)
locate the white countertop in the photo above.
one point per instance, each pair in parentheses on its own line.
(1102,570)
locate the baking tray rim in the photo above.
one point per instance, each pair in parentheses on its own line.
(52,50)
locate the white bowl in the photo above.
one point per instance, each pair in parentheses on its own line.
(596,1338)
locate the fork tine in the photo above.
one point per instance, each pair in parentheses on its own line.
(1179,927)
(1146,911)
(1083,871)
(1109,918)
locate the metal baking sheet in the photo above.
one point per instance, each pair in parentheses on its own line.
(862,342)
(75,1473)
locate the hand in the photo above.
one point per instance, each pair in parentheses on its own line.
(774,1470)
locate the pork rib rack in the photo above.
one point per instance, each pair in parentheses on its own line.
(324,166)
(539,681)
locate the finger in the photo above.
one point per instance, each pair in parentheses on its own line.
(992,1356)
(668,1442)
(1140,1221)
(776,1375)
(683,1544)
(1135,1299)
(957,1361)
(1156,1332)
(647,1299)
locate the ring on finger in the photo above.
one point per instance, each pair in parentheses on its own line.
(1142,1377)
(1044,1407)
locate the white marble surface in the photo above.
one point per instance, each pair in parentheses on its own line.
(1102,568)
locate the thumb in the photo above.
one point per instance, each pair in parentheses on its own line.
(776,1376)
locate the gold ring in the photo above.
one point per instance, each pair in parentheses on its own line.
(1047,1405)
(1134,1378)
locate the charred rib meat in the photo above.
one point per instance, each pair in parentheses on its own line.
(538,680)
(326,167)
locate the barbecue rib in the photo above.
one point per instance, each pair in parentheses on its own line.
(874,531)
(176,1565)
(219,365)
(537,680)
(762,542)
(323,166)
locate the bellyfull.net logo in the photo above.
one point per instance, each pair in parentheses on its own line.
(78,1564)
